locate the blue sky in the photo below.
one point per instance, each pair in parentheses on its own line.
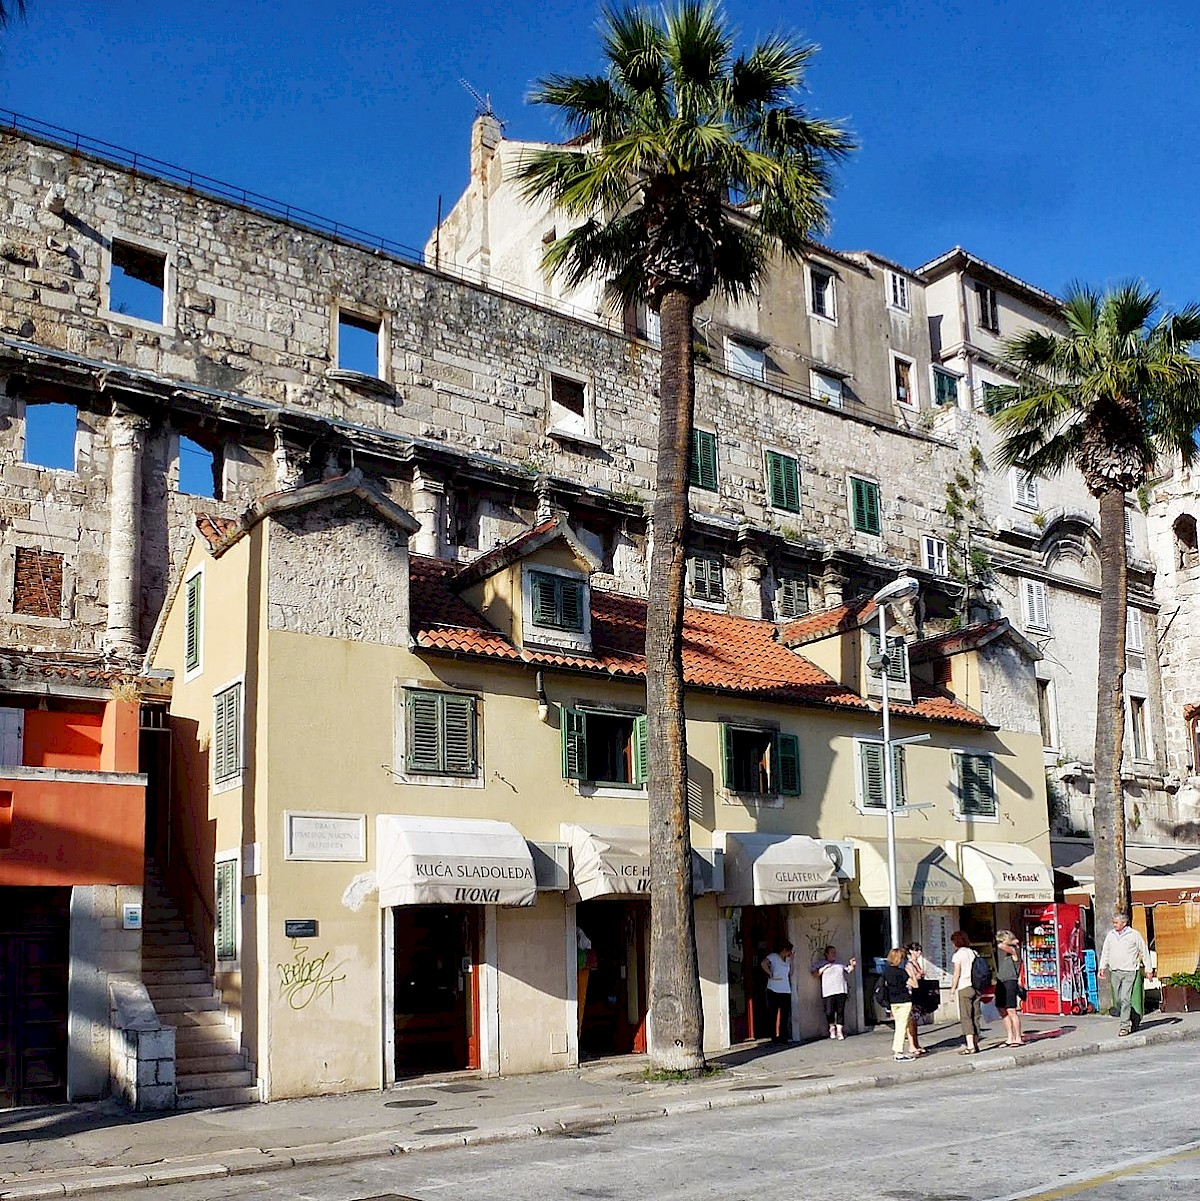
(1056,139)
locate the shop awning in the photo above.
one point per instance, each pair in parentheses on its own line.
(778,869)
(996,872)
(925,874)
(611,861)
(452,861)
(1158,875)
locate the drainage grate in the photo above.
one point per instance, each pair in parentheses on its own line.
(407,1103)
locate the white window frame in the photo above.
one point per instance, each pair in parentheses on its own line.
(383,339)
(898,292)
(580,640)
(1035,605)
(111,234)
(1147,755)
(399,773)
(831,294)
(562,429)
(739,346)
(993,305)
(959,815)
(914,393)
(652,326)
(934,371)
(935,555)
(1051,713)
(190,673)
(1135,631)
(235,780)
(1026,492)
(831,389)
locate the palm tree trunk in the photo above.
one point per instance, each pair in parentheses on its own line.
(1112,884)
(676,1018)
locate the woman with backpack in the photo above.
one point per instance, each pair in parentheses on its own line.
(963,986)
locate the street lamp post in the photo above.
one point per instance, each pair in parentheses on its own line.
(902,589)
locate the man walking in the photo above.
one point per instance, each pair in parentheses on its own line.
(778,966)
(1124,954)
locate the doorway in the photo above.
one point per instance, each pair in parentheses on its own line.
(436,977)
(612,979)
(34,956)
(754,932)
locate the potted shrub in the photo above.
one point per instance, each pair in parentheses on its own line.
(1181,993)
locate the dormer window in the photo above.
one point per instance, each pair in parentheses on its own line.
(557,611)
(899,684)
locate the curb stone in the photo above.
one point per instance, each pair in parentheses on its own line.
(71,1182)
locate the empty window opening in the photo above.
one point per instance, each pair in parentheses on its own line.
(50,435)
(762,762)
(902,372)
(37,582)
(822,296)
(137,284)
(827,388)
(1187,547)
(604,748)
(198,470)
(989,314)
(1137,722)
(358,344)
(568,405)
(1046,712)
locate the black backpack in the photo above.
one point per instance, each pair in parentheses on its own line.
(981,974)
(881,995)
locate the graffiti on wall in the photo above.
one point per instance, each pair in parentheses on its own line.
(308,977)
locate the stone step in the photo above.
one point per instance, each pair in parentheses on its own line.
(210,1098)
(202,1004)
(186,1083)
(172,963)
(165,933)
(209,1017)
(165,950)
(177,976)
(198,1065)
(167,992)
(192,1041)
(158,925)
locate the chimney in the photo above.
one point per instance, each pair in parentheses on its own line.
(486,133)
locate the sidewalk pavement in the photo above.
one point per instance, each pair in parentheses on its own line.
(71,1150)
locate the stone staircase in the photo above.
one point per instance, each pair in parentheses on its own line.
(210,1066)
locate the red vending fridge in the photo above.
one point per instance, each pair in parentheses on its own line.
(1052,946)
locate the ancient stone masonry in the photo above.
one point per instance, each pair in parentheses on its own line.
(456,428)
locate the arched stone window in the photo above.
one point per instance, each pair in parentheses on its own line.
(1187,548)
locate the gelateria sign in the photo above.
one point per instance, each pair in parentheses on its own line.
(452,861)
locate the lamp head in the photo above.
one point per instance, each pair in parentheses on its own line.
(901,589)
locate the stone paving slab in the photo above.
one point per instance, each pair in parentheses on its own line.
(81,1150)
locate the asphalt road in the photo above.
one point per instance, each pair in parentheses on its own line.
(1098,1128)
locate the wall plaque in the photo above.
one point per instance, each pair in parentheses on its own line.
(328,837)
(300,927)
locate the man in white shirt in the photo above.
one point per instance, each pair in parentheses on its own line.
(1124,954)
(778,966)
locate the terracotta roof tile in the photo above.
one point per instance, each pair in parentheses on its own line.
(812,627)
(214,530)
(941,646)
(720,651)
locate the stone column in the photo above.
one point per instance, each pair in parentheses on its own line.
(429,508)
(287,458)
(126,431)
(833,587)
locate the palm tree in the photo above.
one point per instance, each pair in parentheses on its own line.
(15,8)
(1115,395)
(689,167)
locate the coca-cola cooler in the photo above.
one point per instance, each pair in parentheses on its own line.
(1052,947)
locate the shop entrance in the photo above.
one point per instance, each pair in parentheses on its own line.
(612,977)
(34,954)
(436,976)
(754,932)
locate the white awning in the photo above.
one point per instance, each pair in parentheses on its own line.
(778,869)
(925,874)
(997,872)
(1157,874)
(452,861)
(608,860)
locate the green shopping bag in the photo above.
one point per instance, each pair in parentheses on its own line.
(1137,1005)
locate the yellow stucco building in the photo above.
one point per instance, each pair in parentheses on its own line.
(410,795)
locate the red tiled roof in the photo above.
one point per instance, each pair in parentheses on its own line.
(720,651)
(214,530)
(507,552)
(940,646)
(812,627)
(53,668)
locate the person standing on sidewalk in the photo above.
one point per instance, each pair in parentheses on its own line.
(1008,986)
(834,989)
(778,966)
(964,990)
(898,977)
(1124,954)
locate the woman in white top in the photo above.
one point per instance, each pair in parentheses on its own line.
(778,966)
(964,990)
(834,988)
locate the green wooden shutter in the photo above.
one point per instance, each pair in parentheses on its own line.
(702,466)
(573,729)
(543,606)
(191,625)
(870,758)
(220,769)
(899,776)
(783,481)
(423,744)
(865,505)
(727,764)
(793,596)
(787,759)
(976,785)
(227,896)
(458,734)
(227,734)
(641,750)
